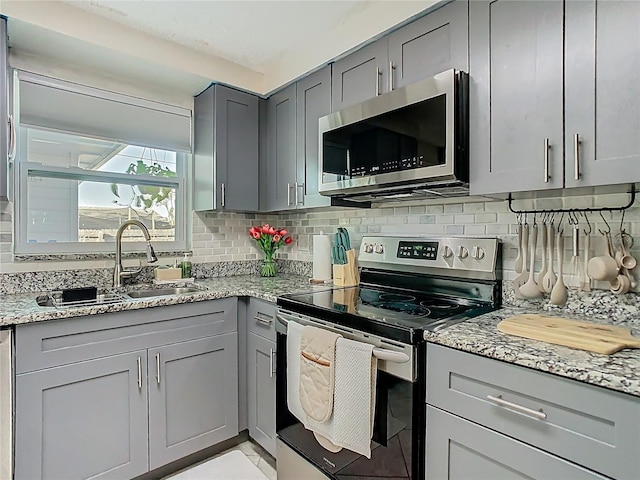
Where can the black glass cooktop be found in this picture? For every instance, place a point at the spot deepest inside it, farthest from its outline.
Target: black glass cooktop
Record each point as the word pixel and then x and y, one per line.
pixel 377 308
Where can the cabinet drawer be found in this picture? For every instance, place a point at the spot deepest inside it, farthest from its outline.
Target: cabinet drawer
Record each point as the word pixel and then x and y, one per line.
pixel 60 342
pixel 261 318
pixel 461 450
pixel 588 425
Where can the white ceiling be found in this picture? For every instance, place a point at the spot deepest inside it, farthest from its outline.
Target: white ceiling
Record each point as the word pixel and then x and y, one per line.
pixel 183 45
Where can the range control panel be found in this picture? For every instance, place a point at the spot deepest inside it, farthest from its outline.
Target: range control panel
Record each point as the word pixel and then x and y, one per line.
pixel 423 250
pixel 443 255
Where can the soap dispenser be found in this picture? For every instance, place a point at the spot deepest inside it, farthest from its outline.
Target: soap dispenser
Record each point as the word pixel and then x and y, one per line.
pixel 186 266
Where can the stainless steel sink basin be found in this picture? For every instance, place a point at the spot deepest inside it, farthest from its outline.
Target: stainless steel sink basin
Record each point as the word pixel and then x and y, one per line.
pixel 163 292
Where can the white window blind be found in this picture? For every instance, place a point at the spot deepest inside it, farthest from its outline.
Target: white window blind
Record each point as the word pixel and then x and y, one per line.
pixel 69 107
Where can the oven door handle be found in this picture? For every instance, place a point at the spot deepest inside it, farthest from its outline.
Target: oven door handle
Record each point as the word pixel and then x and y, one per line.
pixel 380 353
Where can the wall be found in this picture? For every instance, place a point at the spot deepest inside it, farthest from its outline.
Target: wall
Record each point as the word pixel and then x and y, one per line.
pixel 223 237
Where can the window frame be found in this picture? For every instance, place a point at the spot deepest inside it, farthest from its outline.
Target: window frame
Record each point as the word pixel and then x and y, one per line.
pixel 22 167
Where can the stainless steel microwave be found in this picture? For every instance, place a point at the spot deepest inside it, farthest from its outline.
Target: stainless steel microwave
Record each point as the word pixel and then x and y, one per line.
pixel 410 142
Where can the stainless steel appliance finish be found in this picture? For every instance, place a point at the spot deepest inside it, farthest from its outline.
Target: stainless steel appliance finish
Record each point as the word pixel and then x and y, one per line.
pixel 6 405
pixel 406 143
pixel 409 285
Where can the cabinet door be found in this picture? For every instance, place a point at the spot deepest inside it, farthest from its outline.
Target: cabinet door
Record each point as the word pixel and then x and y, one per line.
pixel 360 76
pixel 314 101
pixel 602 94
pixel 84 420
pixel 225 150
pixel 193 396
pixel 461 450
pixel 279 172
pixel 237 149
pixel 261 389
pixel 515 96
pixel 430 45
pixel 4 111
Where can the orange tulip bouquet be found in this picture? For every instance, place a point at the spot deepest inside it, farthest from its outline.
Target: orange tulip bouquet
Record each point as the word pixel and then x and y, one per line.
pixel 269 239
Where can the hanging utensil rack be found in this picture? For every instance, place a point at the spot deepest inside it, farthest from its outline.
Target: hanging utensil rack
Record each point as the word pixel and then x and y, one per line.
pixel 632 199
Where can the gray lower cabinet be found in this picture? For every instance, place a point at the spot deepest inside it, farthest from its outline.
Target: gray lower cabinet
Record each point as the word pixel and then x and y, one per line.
pixel 461 450
pixel 515 96
pixel 602 94
pixel 84 420
pixel 113 396
pixel 431 44
pixel 261 390
pixel 193 396
pixel 225 150
pixel 587 426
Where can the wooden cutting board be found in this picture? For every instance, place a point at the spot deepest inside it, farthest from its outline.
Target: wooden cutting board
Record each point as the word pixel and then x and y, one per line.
pixel 593 337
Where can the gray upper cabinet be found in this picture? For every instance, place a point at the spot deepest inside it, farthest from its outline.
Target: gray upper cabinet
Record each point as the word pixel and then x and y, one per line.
pixel 430 45
pixel 360 76
pixel 313 102
pixel 4 111
pixel 603 92
pixel 515 96
pixel 225 150
pixel 84 420
pixel 279 171
pixel 193 396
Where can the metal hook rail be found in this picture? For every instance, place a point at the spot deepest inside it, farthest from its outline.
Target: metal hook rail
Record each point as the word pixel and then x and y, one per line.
pixel 632 199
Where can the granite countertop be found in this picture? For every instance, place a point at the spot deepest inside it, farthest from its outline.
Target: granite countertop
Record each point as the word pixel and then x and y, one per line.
pixel 22 308
pixel 619 371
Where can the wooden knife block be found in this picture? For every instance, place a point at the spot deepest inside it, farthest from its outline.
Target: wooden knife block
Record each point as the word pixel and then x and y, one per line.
pixel 347 275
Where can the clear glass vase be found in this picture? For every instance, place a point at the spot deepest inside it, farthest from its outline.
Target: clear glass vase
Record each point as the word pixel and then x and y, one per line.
pixel 268 268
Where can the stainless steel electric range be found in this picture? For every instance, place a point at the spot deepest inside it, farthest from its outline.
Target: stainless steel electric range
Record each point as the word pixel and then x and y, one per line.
pixel 409 285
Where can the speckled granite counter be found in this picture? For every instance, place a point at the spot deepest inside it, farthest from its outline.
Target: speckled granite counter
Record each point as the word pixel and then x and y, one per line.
pixel 620 371
pixel 22 308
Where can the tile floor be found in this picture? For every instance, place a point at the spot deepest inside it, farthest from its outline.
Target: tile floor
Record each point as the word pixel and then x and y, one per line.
pixel 254 452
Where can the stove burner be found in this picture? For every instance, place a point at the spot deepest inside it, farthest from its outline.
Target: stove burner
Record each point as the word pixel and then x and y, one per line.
pixel 396 297
pixel 406 308
pixel 439 306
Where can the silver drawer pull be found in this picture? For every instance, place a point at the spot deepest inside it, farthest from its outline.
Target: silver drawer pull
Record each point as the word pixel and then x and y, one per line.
pixel 139 373
pixel 271 362
pixel 540 415
pixel 263 320
pixel 158 368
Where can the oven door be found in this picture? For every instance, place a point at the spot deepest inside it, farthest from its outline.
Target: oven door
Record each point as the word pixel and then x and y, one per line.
pixel 398 439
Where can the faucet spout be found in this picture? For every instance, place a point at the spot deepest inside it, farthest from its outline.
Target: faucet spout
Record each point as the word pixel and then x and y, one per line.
pixel 119 271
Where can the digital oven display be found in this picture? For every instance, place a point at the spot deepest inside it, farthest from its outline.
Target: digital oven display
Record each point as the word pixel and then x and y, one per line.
pixel 421 250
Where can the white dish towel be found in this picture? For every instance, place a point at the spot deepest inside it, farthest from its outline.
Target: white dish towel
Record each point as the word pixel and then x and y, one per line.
pixel 351 425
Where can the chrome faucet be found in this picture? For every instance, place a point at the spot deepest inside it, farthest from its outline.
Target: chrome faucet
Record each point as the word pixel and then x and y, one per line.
pixel 120 273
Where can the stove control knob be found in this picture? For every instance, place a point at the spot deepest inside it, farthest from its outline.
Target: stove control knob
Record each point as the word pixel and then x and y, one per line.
pixel 463 252
pixel 447 252
pixel 379 248
pixel 368 248
pixel 477 253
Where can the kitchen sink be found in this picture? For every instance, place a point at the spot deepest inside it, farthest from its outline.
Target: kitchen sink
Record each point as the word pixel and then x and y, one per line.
pixel 163 292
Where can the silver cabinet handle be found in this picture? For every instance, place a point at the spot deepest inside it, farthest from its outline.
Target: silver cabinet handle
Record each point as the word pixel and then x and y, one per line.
pixel 288 194
pixel 158 368
pixel 378 75
pixel 540 415
pixel 12 139
pixel 223 194
pixel 392 68
pixel 300 186
pixel 295 196
pixel 140 373
pixel 546 160
pixel 576 155
pixel 263 320
pixel 271 372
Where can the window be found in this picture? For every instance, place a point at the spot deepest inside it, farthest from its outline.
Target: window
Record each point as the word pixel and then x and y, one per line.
pixel 90 159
